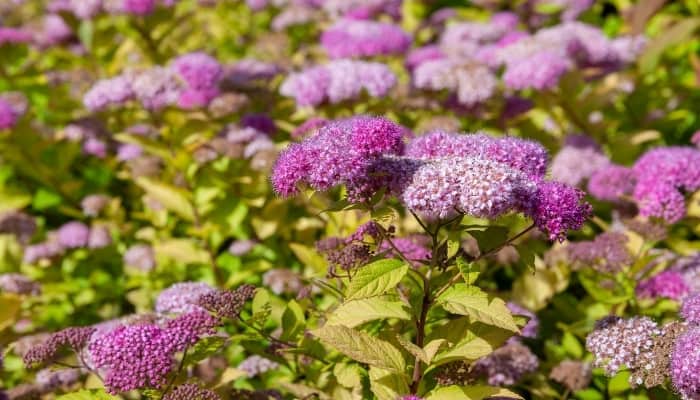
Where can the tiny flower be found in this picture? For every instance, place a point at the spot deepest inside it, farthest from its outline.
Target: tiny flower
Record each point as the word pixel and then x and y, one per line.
pixel 140 256
pixel 182 297
pixel 255 365
pixel 73 235
pixel 357 38
pixel 669 284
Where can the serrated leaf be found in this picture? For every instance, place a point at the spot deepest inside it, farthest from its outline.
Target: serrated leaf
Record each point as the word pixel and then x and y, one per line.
pixel 432 348
pixel 469 349
pixel 469 271
pixel 425 354
pixel 348 375
pixel 172 198
pixel 387 385
pixel 96 394
pixel 362 347
pixel 470 393
pixel 356 312
pixel 293 321
pixel 376 279
pixel 308 256
pixel 473 302
pixel 204 349
pixel 490 238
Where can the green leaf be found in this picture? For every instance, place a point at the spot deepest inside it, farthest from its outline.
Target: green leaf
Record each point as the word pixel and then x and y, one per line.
pixel 293 321
pixel 362 347
pixel 172 198
pixel 376 278
pixel 470 349
pixel 204 349
pixel 425 354
pixel 45 199
pixel 348 375
pixel 308 256
pixel 387 385
pixel 473 302
pixel 572 345
pixel 469 271
pixel 490 238
pixel 357 312
pixel 619 383
pixel 94 394
pixel 470 393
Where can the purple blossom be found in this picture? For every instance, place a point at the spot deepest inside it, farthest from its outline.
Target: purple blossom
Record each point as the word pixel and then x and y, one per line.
pixel 531 328
pixel 340 152
pixel 256 365
pixel 74 338
pixel 667 284
pixel 541 71
pixel 99 237
pixel 337 81
pixel 44 250
pixel 685 364
pixel 126 152
pixel 574 165
pixel 690 310
pixel 283 281
pixel 311 125
pixel 73 235
pixel 358 38
pixel 14 36
pixel 246 72
pixel 663 175
pixel 49 380
pixel 190 391
pixel 607 253
pixel 18 284
pixel 108 92
pixel 156 87
pixel 611 183
pixel 507 364
pixel 95 147
pixel 54 31
pixel 9 113
pixel 139 7
pixel 186 329
pixel 140 256
pixel 93 204
pixel 201 74
pixel 182 297
pixel 413 248
pixel 260 122
pixel 133 357
pixel 19 224
pixel 227 303
pixel 557 208
pixel 418 56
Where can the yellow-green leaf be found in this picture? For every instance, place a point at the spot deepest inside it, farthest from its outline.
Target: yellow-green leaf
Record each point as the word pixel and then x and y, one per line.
pixel 184 251
pixel 96 394
pixel 9 307
pixel 376 279
pixel 172 198
pixel 362 347
pixel 387 385
pixel 356 312
pixel 470 393
pixel 473 302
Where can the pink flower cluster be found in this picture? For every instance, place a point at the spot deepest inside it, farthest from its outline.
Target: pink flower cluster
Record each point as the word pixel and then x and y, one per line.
pixel 360 38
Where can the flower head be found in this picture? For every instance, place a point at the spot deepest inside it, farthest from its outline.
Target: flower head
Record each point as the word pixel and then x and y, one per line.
pixel 182 297
pixel 611 182
pixel 256 365
pixel 73 235
pixel 74 338
pixel 617 343
pixel 669 284
pixel 358 38
pixel 140 256
pixel 685 364
pixel 557 208
pixel 690 310
pixel 507 365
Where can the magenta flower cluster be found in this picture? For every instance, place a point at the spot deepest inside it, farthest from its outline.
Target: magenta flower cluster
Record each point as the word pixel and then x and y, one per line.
pixel 190 81
pixel 668 284
pixel 657 182
pixel 349 38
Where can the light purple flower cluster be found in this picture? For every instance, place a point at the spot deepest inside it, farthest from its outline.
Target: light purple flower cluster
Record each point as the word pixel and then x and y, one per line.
pixel 361 9
pixel 668 284
pixel 18 284
pixel 472 83
pixel 606 253
pixel 414 248
pixel 14 36
pixel 507 364
pixel 690 310
pixel 469 185
pixel 685 364
pixel 611 183
pixel 182 297
pixel 337 81
pixel 140 256
pixel 617 343
pixel 575 164
pixel 19 224
pixel 339 153
pixel 10 112
pixel 88 9
pixel 531 328
pixel 190 81
pixel 256 365
pixel 557 208
pixel 360 38
pixel 541 71
pixel 190 391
